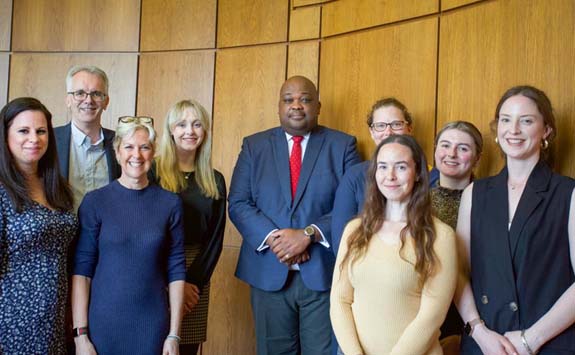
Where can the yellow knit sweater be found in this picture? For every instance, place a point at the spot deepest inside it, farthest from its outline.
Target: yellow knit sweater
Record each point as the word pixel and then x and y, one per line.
pixel 377 306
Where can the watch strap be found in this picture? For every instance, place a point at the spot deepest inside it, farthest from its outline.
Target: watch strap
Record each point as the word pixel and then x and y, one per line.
pixel 80 331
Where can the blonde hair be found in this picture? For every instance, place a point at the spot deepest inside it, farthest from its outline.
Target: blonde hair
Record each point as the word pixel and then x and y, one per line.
pixel 167 167
pixel 124 130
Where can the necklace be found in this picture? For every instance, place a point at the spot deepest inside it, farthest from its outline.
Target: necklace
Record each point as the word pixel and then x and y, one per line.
pixel 514 186
pixel 187 174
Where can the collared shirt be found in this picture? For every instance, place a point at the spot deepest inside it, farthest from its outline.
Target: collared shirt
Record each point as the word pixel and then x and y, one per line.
pixel 88 165
pixel 263 246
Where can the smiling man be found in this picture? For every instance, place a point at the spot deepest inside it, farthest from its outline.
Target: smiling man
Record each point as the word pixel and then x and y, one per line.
pixel 85 149
pixel 280 200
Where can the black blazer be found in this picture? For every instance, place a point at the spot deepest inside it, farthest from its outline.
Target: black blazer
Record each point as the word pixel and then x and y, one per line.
pixel 63 136
pixel 518 274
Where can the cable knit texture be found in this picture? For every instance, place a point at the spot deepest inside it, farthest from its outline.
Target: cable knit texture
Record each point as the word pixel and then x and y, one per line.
pixel 377 305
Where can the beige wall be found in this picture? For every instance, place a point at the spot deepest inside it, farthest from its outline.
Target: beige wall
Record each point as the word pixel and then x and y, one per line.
pixel 446 60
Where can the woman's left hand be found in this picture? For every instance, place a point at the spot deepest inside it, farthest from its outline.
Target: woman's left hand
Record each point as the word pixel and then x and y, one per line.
pixel 171 347
pixel 515 339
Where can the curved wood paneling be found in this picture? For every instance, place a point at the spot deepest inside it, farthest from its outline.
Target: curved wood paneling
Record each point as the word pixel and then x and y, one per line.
pixel 165 78
pixel 71 25
pixel 486 49
pixel 248 82
pixel 242 22
pixel 349 15
pixel 183 24
pixel 304 23
pixel 4 62
pixel 297 3
pixel 5 23
pixel 303 59
pixel 230 320
pixel 358 69
pixel 450 4
pixel 44 76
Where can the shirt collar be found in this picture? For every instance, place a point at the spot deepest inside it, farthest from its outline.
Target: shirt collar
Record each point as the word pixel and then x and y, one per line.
pixel 80 138
pixel 305 136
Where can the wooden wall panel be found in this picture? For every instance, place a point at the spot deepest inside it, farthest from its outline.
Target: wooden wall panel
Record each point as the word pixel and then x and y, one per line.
pixel 71 25
pixel 4 63
pixel 297 3
pixel 230 321
pixel 243 22
pixel 44 76
pixel 348 15
pixel 303 59
pixel 5 24
pixel 360 68
pixel 248 81
pixel 488 48
pixel 450 4
pixel 304 23
pixel 184 24
pixel 165 78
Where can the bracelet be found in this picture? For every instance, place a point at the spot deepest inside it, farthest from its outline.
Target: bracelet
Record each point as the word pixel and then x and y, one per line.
pixel 175 337
pixel 524 341
pixel 80 331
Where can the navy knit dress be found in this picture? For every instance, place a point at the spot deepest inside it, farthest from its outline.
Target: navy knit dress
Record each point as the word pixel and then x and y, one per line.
pixel 131 246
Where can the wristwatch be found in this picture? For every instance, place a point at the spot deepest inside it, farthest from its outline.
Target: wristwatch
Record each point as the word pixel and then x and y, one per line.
pixel 309 231
pixel 469 326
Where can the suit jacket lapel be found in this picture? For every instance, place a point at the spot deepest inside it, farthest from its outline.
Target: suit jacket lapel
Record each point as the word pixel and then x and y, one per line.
pixel 280 152
pixel 530 199
pixel 312 150
pixel 499 218
pixel 63 149
pixel 113 168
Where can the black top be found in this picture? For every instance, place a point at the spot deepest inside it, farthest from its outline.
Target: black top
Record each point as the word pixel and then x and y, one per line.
pixel 204 224
pixel 518 273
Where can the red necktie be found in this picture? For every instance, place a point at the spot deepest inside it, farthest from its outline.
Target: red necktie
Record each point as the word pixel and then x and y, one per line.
pixel 295 163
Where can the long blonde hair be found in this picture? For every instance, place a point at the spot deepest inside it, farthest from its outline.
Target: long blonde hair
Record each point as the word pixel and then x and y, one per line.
pixel 167 166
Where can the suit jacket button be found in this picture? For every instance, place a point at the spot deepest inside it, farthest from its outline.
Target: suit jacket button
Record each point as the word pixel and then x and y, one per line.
pixel 513 307
pixel 484 299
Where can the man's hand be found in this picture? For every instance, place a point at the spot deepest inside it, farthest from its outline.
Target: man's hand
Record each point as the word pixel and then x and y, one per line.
pixel 288 244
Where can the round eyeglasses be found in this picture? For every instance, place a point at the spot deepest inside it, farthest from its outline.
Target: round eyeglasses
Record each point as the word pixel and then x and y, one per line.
pixel 81 95
pixel 381 126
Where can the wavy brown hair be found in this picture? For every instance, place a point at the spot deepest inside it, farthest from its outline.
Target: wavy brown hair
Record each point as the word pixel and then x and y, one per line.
pixel 419 218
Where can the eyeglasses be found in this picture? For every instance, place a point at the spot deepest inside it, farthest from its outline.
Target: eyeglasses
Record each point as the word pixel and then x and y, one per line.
pixel 381 126
pixel 81 95
pixel 136 119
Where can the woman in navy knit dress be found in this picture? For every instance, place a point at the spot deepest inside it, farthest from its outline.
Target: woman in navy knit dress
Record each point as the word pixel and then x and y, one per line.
pixel 129 252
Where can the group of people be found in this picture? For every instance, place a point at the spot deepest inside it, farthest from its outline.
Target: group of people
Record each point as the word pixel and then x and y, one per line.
pixel 389 256
pixel 399 256
pixel 139 233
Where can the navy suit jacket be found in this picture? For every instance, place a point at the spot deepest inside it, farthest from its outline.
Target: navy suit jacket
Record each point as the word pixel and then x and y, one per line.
pixel 64 135
pixel 260 201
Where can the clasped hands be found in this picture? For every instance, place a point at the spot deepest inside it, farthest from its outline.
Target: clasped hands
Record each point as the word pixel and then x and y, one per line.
pixel 509 343
pixel 289 245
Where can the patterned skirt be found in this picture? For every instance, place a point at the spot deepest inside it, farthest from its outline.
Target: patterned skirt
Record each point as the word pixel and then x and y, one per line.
pixel 195 323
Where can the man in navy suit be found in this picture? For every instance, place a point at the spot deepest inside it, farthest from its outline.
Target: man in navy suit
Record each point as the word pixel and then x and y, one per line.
pixel 280 200
pixel 85 150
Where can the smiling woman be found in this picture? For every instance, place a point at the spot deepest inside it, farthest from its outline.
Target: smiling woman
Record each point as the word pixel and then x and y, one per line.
pixel 128 253
pixel 36 229
pixel 184 166
pixel 517 232
pixel 396 267
pixel 458 147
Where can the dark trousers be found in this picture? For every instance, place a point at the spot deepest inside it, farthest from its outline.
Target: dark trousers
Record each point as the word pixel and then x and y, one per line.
pixel 294 320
